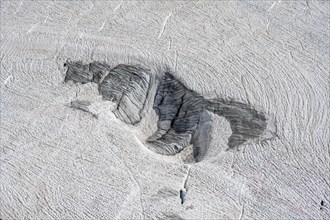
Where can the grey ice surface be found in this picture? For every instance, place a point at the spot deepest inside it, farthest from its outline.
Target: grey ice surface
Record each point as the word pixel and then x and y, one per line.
pixel 58 162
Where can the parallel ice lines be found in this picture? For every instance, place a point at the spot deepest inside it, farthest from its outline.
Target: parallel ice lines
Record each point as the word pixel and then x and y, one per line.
pixel 245 123
pixel 78 72
pixel 168 99
pixel 84 73
pixel 180 112
pixel 99 70
pixel 125 85
pixel 128 87
pixel 189 115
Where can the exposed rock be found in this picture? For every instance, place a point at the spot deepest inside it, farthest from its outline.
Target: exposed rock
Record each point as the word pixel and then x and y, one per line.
pixel 84 73
pixel 80 104
pixel 182 113
pixel 78 72
pixel 179 111
pixel 182 119
pixel 99 71
pixel 125 85
pixel 245 123
pixel 128 87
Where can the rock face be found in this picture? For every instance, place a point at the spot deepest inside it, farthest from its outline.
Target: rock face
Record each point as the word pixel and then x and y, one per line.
pixel 128 87
pixel 58 161
pixel 125 85
pixel 84 73
pixel 245 123
pixel 181 111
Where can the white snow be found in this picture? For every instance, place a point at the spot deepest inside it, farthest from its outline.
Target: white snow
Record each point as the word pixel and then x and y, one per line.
pixel 60 162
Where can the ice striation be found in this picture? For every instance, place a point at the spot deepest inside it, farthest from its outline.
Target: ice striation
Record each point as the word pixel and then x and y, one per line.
pixel 128 87
pixel 182 113
pixel 85 73
pixel 125 85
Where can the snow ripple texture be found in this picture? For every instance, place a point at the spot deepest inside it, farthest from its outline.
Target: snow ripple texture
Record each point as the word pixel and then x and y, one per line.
pixel 58 162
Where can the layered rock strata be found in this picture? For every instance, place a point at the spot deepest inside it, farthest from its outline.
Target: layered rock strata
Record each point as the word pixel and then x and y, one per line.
pixel 181 112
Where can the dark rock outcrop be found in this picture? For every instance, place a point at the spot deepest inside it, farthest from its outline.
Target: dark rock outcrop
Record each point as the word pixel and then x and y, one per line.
pixel 182 113
pixel 125 85
pixel 128 87
pixel 179 113
pixel 85 73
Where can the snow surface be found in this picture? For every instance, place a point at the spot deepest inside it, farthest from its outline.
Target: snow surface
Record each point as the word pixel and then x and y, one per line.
pixel 61 162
